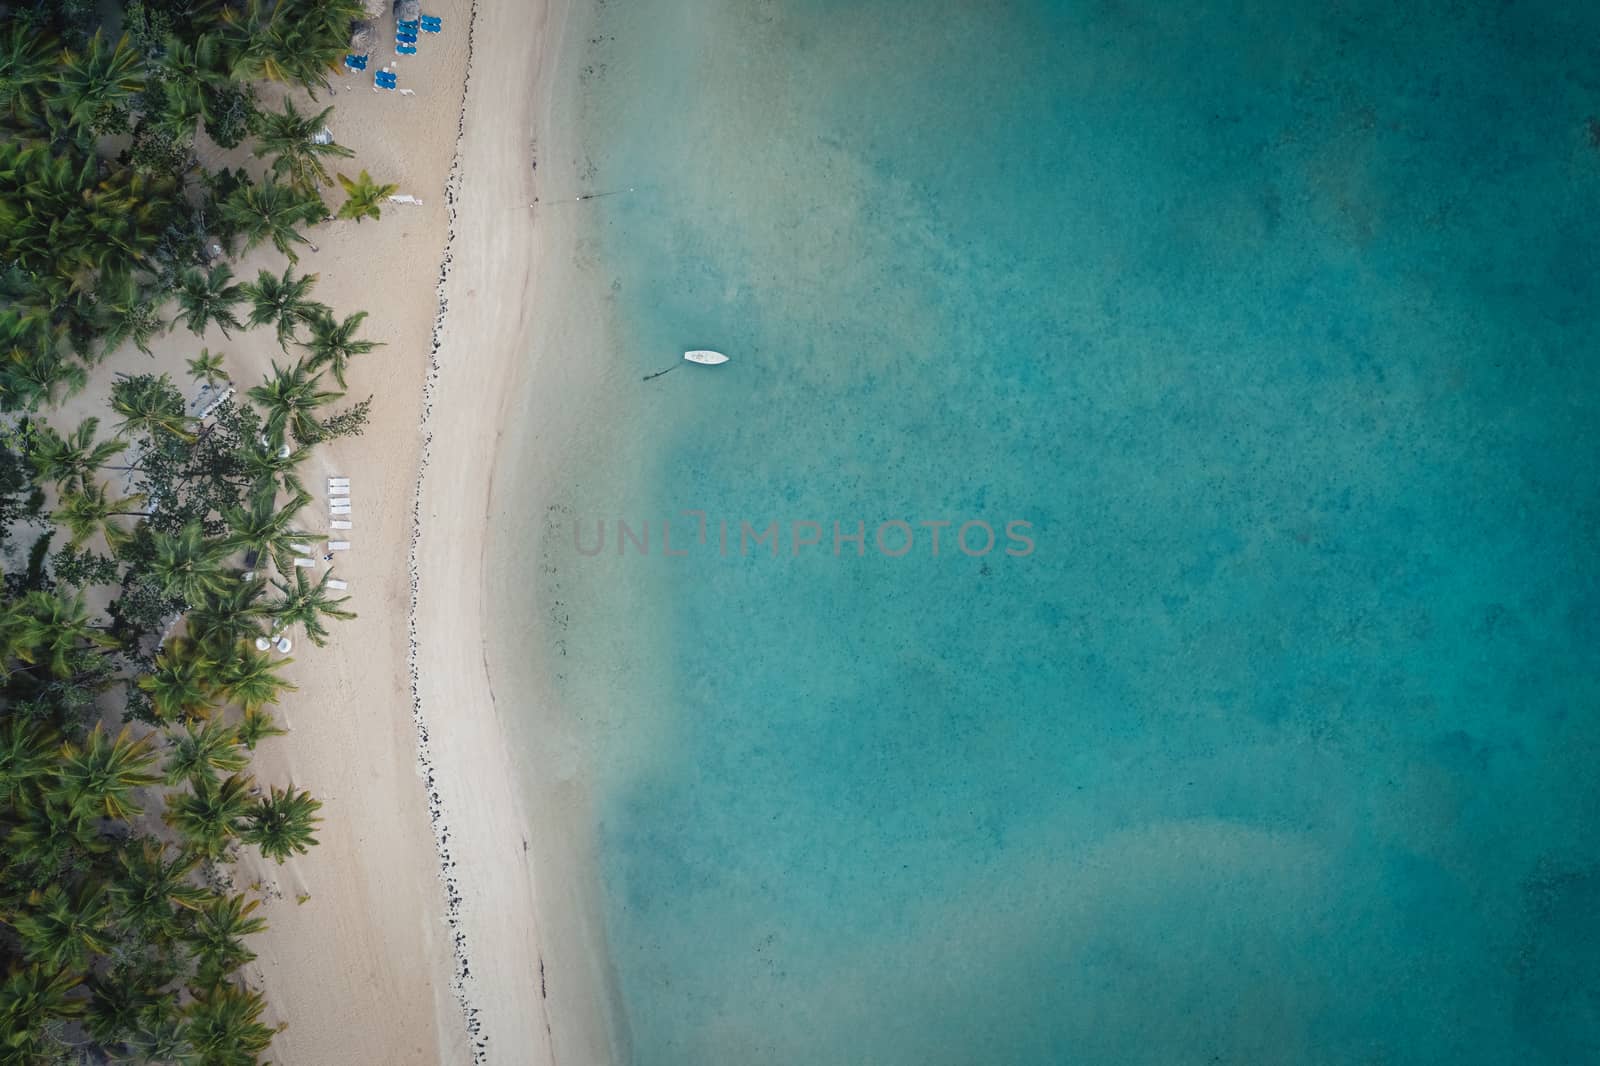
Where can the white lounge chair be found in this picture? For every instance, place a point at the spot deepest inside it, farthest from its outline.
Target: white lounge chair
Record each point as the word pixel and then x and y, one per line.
pixel 339 524
pixel 339 508
pixel 338 545
pixel 305 562
pixel 335 583
pixel 300 547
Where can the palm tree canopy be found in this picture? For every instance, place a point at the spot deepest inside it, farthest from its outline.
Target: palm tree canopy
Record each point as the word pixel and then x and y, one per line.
pixel 206 296
pixel 292 139
pixel 75 458
pixel 282 823
pixel 306 604
pixel 332 343
pixel 149 404
pixel 363 197
pixel 98 774
pixel 272 211
pixel 283 301
pixel 290 396
pixel 188 564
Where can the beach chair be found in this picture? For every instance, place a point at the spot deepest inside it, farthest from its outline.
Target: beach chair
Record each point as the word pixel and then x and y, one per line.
pixel 339 509
pixel 338 545
pixel 406 37
pixel 303 549
pixel 335 481
pixel 337 585
pixel 432 23
pixel 408 25
pixel 306 563
pixel 339 524
pixel 384 80
pixel 355 62
pixel 405 49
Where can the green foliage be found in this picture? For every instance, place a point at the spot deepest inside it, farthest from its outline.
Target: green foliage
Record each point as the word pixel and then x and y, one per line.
pixel 272 212
pixel 206 297
pixel 115 943
pixel 282 823
pixel 291 139
pixel 283 301
pixel 351 422
pixel 332 343
pixel 363 197
pixel 291 397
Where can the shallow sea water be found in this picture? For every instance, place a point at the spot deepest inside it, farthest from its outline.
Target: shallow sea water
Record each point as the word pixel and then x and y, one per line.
pixel 1280 328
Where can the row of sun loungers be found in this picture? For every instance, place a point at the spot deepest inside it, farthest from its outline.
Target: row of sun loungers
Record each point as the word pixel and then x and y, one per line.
pixel 338 504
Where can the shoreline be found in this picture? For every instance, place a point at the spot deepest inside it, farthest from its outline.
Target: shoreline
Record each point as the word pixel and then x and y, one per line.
pixel 437 824
pixel 530 975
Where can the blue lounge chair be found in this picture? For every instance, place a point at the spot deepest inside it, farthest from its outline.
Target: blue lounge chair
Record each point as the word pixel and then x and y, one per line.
pixel 409 27
pixel 356 62
pixel 405 38
pixel 405 49
pixel 432 23
pixel 385 79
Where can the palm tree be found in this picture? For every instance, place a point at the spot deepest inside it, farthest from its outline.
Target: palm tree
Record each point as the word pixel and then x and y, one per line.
pixel 226 618
pixel 27 60
pixel 264 529
pixel 251 679
pixel 88 510
pixel 290 396
pixel 208 752
pixel 333 343
pixel 257 725
pixel 53 628
pixel 224 1024
pixel 306 604
pixel 266 467
pixel 98 79
pixel 64 929
pixel 283 301
pixel 49 838
pixel 270 211
pixel 27 752
pixel 149 404
pixel 207 367
pixel 282 823
pixel 30 999
pixel 128 311
pixel 210 816
pixel 205 296
pixel 97 776
pixel 217 938
pixel 188 565
pixel 120 999
pixel 150 884
pixel 363 197
pixel 292 138
pixel 182 684
pixel 75 458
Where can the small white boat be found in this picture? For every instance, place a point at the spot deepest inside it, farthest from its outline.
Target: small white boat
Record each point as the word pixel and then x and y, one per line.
pixel 705 358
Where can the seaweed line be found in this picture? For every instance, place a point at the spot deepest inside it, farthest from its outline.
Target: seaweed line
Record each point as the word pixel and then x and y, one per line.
pixel 461 976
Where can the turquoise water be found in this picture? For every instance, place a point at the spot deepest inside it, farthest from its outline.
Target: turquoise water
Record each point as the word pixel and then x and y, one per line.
pixel 1280 329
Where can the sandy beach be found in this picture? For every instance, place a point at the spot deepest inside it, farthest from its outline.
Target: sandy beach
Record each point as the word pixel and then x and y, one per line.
pixel 417 932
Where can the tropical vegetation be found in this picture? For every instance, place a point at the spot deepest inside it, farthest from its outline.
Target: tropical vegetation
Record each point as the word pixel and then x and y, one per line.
pixel 145 554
